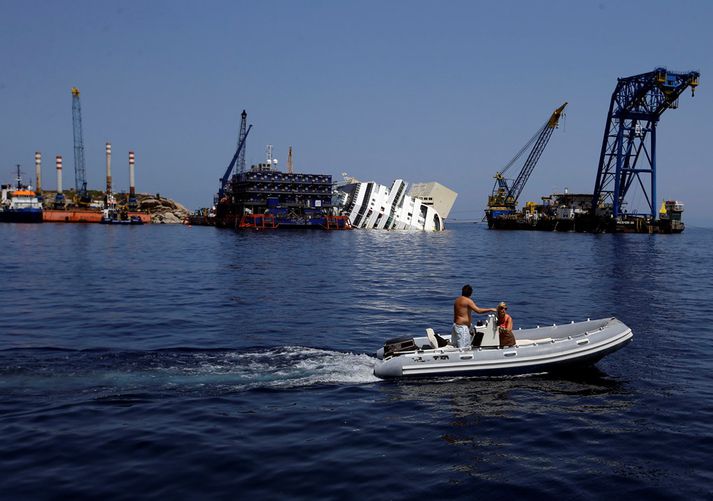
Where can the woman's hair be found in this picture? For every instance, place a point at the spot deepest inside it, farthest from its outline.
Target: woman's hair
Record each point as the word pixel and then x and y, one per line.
pixel 502 306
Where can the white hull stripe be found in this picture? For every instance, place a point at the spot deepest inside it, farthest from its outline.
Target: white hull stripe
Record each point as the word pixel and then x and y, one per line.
pixel 515 361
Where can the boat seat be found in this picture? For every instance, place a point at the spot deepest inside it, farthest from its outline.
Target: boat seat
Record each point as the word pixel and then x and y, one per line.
pixel 527 342
pixel 432 337
pixel 435 340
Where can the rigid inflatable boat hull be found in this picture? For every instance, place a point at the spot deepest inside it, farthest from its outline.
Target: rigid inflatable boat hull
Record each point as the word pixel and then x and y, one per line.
pixel 553 349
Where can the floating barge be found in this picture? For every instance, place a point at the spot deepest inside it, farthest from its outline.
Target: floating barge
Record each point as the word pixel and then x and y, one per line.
pixel 627 164
pixel 571 213
pixel 266 198
pixel 85 216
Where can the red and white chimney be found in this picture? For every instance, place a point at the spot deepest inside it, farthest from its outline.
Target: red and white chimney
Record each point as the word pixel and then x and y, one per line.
pixel 108 169
pixel 58 161
pixel 38 171
pixel 132 185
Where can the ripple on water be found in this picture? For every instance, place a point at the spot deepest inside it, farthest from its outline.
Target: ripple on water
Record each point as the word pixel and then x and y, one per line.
pixel 181 362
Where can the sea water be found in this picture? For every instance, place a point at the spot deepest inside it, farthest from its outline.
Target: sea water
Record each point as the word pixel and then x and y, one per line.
pixel 176 362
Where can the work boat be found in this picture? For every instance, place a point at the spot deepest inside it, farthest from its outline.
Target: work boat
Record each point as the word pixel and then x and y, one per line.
pixel 538 350
pixel 19 204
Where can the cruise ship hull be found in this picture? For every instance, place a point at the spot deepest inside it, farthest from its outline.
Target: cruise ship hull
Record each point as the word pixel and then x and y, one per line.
pixel 370 205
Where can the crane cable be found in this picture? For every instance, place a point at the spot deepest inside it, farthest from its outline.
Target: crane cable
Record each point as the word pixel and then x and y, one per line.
pixel 525 148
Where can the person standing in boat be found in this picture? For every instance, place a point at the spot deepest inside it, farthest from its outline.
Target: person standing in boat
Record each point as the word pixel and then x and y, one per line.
pixel 462 320
pixel 507 338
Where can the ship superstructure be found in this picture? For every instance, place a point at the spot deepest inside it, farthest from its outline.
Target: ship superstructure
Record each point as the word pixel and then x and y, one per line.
pixel 264 197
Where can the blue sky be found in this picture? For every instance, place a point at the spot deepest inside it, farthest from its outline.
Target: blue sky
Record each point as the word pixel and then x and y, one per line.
pixel 424 91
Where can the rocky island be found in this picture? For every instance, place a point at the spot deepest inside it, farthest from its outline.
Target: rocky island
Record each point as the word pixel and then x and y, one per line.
pixel 162 210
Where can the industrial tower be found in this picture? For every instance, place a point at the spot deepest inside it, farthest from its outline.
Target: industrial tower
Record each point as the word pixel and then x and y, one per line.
pixel 629 146
pixel 241 139
pixel 80 179
pixel 59 200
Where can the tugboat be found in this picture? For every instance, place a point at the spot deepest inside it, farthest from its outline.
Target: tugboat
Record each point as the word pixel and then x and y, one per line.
pixel 19 204
pixel 113 215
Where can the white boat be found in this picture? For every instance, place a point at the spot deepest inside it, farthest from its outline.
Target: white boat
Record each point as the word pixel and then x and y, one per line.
pixel 538 350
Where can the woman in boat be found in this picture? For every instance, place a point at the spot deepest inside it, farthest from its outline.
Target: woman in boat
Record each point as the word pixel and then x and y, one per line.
pixel 507 338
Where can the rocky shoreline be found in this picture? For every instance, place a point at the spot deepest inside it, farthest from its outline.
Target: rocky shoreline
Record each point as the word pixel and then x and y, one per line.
pixel 162 210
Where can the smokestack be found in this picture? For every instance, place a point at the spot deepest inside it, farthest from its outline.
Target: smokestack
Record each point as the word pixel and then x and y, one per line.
pixel 108 169
pixel 59 197
pixel 132 186
pixel 59 174
pixel 38 172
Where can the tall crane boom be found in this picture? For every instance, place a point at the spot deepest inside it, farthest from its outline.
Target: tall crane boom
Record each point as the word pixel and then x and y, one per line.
pixel 504 197
pixel 80 179
pixel 290 165
pixel 226 177
pixel 629 144
pixel 543 137
pixel 241 139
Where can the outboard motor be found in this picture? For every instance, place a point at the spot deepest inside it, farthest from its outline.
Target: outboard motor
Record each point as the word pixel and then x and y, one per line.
pixel 391 346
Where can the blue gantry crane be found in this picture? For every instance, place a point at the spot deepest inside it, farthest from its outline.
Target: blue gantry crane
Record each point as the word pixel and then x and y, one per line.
pixel 503 199
pixel 628 152
pixel 80 179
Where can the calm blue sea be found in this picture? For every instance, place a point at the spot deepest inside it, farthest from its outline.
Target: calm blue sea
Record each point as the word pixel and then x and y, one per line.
pixel 175 362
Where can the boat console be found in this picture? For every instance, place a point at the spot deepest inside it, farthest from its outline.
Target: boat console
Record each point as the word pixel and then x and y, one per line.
pixel 486 333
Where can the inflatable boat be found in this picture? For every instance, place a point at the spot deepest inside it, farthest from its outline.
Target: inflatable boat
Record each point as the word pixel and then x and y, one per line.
pixel 538 350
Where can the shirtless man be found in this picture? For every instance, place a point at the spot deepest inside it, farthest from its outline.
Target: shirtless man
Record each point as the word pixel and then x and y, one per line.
pixel 460 333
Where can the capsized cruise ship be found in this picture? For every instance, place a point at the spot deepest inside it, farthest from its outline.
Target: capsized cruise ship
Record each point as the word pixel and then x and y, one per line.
pixel 372 205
